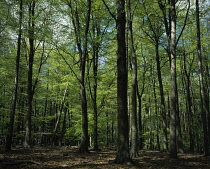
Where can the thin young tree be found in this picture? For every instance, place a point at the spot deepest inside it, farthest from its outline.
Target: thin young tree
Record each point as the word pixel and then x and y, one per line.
pixel 204 109
pixel 155 28
pixel 82 47
pixel 189 100
pixel 93 92
pixel 174 99
pixel 31 27
pixel 133 114
pixel 15 92
pixel 59 116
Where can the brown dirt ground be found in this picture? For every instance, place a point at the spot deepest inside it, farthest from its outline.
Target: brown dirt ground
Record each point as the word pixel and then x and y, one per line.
pixel 69 157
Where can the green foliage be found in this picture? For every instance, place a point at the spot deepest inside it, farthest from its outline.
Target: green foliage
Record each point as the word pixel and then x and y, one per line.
pixel 56 65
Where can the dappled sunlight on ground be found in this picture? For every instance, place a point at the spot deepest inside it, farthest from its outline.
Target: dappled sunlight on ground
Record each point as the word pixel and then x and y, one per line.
pixel 69 157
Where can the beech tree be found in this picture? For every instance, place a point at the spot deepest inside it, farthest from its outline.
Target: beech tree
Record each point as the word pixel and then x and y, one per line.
pixel 82 42
pixel 133 122
pixel 123 155
pixel 174 97
pixel 30 92
pixel 74 43
pixel 15 92
pixel 204 109
pixel 154 33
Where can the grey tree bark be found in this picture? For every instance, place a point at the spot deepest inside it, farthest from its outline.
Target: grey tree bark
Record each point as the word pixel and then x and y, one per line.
pixel 174 99
pixel 133 114
pixel 31 25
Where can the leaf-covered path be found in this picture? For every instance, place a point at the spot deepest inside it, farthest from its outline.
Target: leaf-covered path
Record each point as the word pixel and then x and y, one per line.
pixel 68 157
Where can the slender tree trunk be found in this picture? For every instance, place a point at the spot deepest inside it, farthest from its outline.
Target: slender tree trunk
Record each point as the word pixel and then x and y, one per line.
pixel 20 117
pixel 140 125
pixel 85 137
pixel 163 107
pixel 59 117
pixel 123 155
pixel 95 107
pixel 95 143
pixel 95 46
pixel 170 28
pixel 93 94
pixel 14 99
pixel 63 129
pixel 173 145
pixel 204 109
pixel 156 113
pixel 31 24
pixel 189 105
pixel 133 123
pixel 82 44
pixel 140 121
pixel 107 129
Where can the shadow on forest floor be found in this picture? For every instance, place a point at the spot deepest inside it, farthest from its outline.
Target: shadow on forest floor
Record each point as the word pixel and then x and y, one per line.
pixel 68 157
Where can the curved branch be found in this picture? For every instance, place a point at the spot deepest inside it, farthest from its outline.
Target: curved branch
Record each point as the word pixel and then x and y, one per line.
pixel 69 66
pixel 185 21
pixel 109 11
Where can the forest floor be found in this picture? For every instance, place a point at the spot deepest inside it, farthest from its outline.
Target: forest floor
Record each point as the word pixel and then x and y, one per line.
pixel 69 157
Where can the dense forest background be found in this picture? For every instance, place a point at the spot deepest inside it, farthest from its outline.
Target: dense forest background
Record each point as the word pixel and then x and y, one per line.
pixel 59 74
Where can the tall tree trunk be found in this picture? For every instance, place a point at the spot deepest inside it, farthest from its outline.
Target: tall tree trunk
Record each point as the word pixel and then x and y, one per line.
pixel 163 106
pixel 95 142
pixel 156 113
pixel 123 155
pixel 95 107
pixel 14 99
pixel 207 79
pixel 31 25
pixel 93 92
pixel 85 138
pixel 173 145
pixel 207 93
pixel 169 28
pixel 82 43
pixel 133 123
pixel 204 109
pixel 140 125
pixel 189 105
pixel 140 120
